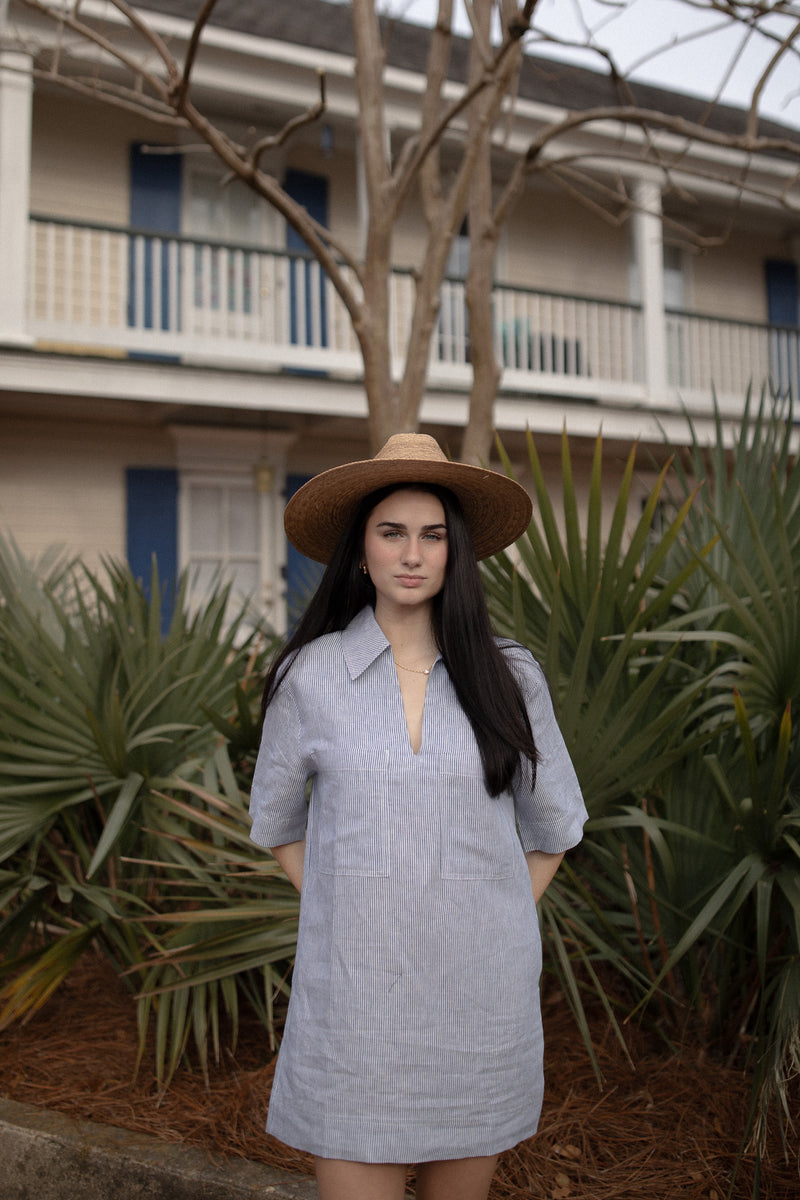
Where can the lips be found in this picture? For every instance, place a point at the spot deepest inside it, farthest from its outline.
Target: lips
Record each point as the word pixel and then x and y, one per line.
pixel 410 580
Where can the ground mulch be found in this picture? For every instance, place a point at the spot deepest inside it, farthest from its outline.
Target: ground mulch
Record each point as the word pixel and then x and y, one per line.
pixel 670 1126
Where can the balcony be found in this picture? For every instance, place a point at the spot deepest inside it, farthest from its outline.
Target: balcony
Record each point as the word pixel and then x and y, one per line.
pixel 122 293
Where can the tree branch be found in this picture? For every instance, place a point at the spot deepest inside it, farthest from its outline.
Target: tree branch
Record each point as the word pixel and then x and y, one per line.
pixel 633 115
pixel 311 115
pixel 119 97
pixel 421 146
pixel 202 19
pixel 429 168
pixel 95 38
pixel 752 116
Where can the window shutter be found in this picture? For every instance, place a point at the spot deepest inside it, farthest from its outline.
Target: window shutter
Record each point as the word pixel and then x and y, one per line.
pixel 302 574
pixel 152 529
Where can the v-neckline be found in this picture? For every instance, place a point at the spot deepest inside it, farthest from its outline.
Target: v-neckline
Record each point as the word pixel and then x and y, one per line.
pixel 415 752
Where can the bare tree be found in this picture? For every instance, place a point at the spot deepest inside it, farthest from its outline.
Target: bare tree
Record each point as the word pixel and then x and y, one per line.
pixel 468 123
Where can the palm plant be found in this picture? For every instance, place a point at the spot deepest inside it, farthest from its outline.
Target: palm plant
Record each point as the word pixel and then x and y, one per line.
pixel 101 716
pixel 227 928
pixel 578 599
pixel 741 917
pixel 739 465
pixel 675 665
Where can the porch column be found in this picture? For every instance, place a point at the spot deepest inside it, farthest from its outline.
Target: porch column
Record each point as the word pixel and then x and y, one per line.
pixel 649 251
pixel 16 96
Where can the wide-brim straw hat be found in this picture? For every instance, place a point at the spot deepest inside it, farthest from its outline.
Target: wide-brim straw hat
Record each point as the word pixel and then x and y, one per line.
pixel 497 509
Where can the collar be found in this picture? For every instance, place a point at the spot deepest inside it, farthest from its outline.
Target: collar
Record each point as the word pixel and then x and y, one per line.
pixel 362 641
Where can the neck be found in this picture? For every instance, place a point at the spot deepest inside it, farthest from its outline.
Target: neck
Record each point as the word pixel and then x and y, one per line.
pixel 410 630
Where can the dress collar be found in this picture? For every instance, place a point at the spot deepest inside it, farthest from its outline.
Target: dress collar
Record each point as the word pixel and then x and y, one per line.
pixel 362 641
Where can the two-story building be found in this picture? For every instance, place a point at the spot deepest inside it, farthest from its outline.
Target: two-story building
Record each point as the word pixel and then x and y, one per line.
pixel 172 364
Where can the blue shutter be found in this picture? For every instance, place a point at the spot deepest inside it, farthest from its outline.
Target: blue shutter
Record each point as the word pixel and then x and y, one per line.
pixel 152 530
pixel 782 292
pixel 155 207
pixel 302 574
pixel 783 314
pixel 311 191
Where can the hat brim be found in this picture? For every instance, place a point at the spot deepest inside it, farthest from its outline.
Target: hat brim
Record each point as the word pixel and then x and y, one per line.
pixel 497 509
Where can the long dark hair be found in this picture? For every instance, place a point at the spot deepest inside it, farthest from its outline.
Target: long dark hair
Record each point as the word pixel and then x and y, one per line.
pixel 484 683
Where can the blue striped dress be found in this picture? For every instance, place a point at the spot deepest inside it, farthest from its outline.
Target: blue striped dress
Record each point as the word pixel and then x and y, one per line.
pixel 414 1031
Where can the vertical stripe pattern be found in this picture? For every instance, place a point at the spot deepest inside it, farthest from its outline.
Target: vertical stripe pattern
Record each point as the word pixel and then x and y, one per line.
pixel 414 1030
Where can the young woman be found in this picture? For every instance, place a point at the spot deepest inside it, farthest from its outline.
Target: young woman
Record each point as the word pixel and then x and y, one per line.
pixel 442 802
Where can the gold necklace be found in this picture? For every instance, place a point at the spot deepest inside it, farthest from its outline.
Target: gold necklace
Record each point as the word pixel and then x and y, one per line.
pixel 413 670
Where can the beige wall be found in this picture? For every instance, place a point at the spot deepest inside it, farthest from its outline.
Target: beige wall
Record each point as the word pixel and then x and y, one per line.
pixel 80 159
pixel 63 482
pixel 729 280
pixel 554 243
pixel 80 164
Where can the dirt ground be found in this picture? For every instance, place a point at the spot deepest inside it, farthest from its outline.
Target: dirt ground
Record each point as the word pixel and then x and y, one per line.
pixel 669 1126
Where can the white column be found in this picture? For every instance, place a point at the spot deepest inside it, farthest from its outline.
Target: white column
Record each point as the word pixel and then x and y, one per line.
pixel 16 96
pixel 649 251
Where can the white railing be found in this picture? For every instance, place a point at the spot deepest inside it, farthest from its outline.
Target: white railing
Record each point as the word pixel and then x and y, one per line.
pixel 141 293
pixel 550 334
pixel 127 292
pixel 729 356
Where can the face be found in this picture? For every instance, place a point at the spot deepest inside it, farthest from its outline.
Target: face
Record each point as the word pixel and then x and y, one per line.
pixel 405 548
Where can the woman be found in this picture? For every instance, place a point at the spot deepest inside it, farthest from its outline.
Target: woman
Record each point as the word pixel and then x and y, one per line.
pixel 443 800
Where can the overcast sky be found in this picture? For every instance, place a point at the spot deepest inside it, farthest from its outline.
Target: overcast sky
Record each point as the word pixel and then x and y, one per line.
pixel 632 28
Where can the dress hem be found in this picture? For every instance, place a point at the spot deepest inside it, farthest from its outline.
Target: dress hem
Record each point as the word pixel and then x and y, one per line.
pixel 445 1153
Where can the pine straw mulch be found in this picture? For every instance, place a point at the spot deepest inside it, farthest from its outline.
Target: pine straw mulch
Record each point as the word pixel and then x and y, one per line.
pixel 669 1128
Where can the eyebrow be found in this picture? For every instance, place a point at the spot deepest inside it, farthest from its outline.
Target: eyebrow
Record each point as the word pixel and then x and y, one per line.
pixel 400 525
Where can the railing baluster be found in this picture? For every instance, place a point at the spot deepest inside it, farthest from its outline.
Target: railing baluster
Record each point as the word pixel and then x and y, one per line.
pixel 69 274
pixel 50 273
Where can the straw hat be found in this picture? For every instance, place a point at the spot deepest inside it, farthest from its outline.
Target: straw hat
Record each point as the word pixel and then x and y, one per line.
pixel 496 508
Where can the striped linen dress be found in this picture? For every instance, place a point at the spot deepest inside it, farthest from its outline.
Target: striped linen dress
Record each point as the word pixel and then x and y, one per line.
pixel 414 1031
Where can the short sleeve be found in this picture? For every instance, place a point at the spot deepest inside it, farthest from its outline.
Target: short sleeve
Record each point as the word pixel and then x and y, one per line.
pixel 551 817
pixel 278 796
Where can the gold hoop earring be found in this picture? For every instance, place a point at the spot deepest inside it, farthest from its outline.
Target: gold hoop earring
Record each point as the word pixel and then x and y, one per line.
pixel 363 568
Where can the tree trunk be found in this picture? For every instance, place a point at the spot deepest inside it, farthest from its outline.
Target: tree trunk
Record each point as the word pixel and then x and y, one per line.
pixel 484 232
pixel 373 329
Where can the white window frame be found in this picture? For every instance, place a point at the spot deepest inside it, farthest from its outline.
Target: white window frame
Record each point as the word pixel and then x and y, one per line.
pixel 246 459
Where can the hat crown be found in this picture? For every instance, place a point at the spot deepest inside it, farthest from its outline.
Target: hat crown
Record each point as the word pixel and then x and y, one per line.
pixel 415 447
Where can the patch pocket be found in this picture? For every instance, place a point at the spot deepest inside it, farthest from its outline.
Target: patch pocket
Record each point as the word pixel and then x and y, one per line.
pixel 478 834
pixel 351 815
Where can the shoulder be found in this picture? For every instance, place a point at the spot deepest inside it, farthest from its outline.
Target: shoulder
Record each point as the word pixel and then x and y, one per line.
pixel 305 667
pixel 321 654
pixel 525 667
pixel 516 655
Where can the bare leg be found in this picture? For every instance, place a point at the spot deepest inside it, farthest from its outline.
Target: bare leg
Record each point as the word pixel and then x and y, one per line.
pixel 341 1180
pixel 456 1179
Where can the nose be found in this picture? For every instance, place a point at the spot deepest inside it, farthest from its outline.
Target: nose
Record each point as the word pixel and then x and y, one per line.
pixel 413 551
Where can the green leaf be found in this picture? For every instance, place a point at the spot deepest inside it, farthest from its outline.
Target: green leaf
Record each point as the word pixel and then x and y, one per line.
pixel 117 820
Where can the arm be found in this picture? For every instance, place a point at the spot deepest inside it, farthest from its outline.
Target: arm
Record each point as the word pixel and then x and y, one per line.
pixel 289 858
pixel 542 868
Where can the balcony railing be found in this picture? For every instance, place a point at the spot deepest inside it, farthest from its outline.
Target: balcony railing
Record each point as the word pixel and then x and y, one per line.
pixel 706 352
pixel 119 291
